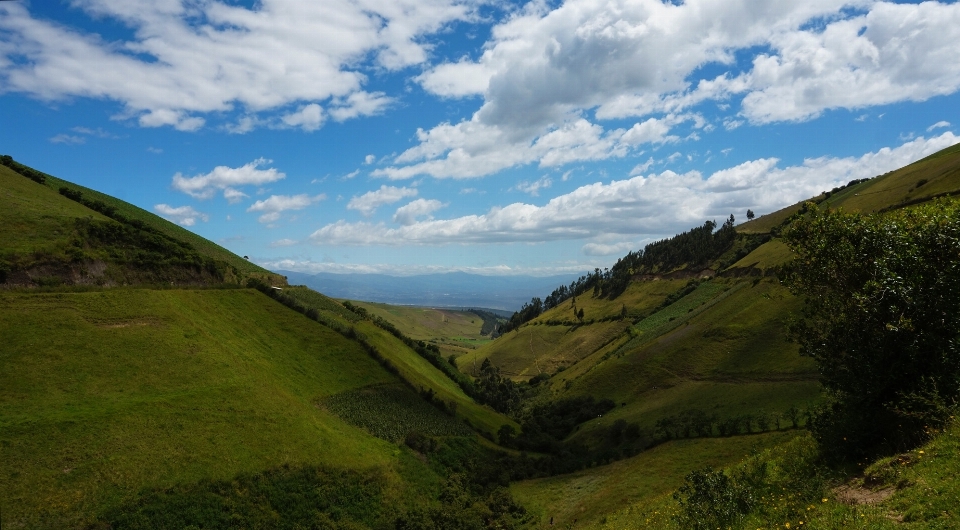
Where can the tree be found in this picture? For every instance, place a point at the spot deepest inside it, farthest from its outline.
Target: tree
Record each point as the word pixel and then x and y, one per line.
pixel 495 390
pixel 580 315
pixel 882 321
pixel 750 214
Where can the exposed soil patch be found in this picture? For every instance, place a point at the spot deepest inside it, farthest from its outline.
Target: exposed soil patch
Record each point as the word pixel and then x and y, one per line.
pixel 854 495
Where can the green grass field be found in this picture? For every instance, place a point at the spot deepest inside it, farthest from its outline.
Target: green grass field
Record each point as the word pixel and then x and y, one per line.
pixel 105 393
pixel 454 332
pixel 412 367
pixel 556 340
pixel 585 498
pixel 35 217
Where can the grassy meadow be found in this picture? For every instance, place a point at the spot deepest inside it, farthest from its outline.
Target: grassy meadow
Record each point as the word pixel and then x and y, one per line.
pixel 105 393
pixel 454 332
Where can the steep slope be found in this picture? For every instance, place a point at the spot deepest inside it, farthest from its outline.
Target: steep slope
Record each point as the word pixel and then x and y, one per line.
pixel 60 232
pixel 709 360
pixel 124 406
pixel 105 393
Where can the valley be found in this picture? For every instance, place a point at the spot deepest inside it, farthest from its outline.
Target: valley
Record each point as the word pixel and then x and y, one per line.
pixel 150 375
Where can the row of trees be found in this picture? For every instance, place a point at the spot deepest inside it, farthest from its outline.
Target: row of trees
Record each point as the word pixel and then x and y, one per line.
pixel 694 248
pixel 28 172
pixel 697 423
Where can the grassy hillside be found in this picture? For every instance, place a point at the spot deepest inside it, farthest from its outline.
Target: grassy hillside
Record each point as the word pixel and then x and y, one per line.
pixel 454 332
pixel 714 349
pixel 934 176
pixel 58 239
pixel 411 366
pixel 105 393
pixel 558 340
pixel 157 406
pixel 588 498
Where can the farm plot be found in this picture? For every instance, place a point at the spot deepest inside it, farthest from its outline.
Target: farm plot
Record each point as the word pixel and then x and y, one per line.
pixel 390 412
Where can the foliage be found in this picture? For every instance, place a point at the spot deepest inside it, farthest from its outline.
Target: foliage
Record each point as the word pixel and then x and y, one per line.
pixel 28 172
pixel 491 322
pixel 694 248
pixel 882 321
pixel 462 507
pixel 430 352
pixel 392 413
pixel 493 389
pixel 282 498
pixel 544 426
pixel 710 499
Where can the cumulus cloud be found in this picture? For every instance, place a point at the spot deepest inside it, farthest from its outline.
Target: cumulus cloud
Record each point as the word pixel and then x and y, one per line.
pixel 273 205
pixel 225 178
pixel 70 139
pixel 187 60
pixel 546 68
pixel 396 269
pixel 308 118
pixel 408 214
pixel 368 203
pixel 895 52
pixel 659 204
pixel 533 188
pixel 471 149
pixel 608 249
pixel 184 215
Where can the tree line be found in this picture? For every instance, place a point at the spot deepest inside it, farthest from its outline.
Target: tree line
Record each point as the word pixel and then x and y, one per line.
pixel 696 247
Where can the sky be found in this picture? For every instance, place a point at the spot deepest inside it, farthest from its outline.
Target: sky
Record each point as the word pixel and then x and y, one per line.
pixel 491 137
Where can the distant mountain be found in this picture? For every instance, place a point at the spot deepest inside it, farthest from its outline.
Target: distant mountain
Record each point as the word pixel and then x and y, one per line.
pixel 454 289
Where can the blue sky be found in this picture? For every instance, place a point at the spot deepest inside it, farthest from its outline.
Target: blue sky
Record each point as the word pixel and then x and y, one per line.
pixel 485 136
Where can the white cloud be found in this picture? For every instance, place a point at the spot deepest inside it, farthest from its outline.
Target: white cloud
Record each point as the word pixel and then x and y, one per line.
pixel 189 59
pixel 268 218
pixel 545 69
pixel 308 117
pixel 471 149
pixel 368 203
pixel 284 243
pixel 640 168
pixel 533 188
pixel 68 139
pixel 895 52
pixel 395 269
pixel 222 177
pixel 938 125
pixel 608 249
pixel 660 204
pixel 360 104
pixel 369 159
pixel 184 215
pixel 408 214
pixel 233 196
pixel 273 205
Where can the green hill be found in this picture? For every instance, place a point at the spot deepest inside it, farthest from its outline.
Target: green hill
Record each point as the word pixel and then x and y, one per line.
pixel 159 404
pixel 151 379
pixel 57 232
pixel 697 350
pixel 105 393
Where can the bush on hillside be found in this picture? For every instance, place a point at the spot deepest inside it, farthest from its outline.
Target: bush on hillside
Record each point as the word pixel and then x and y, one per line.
pixel 882 321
